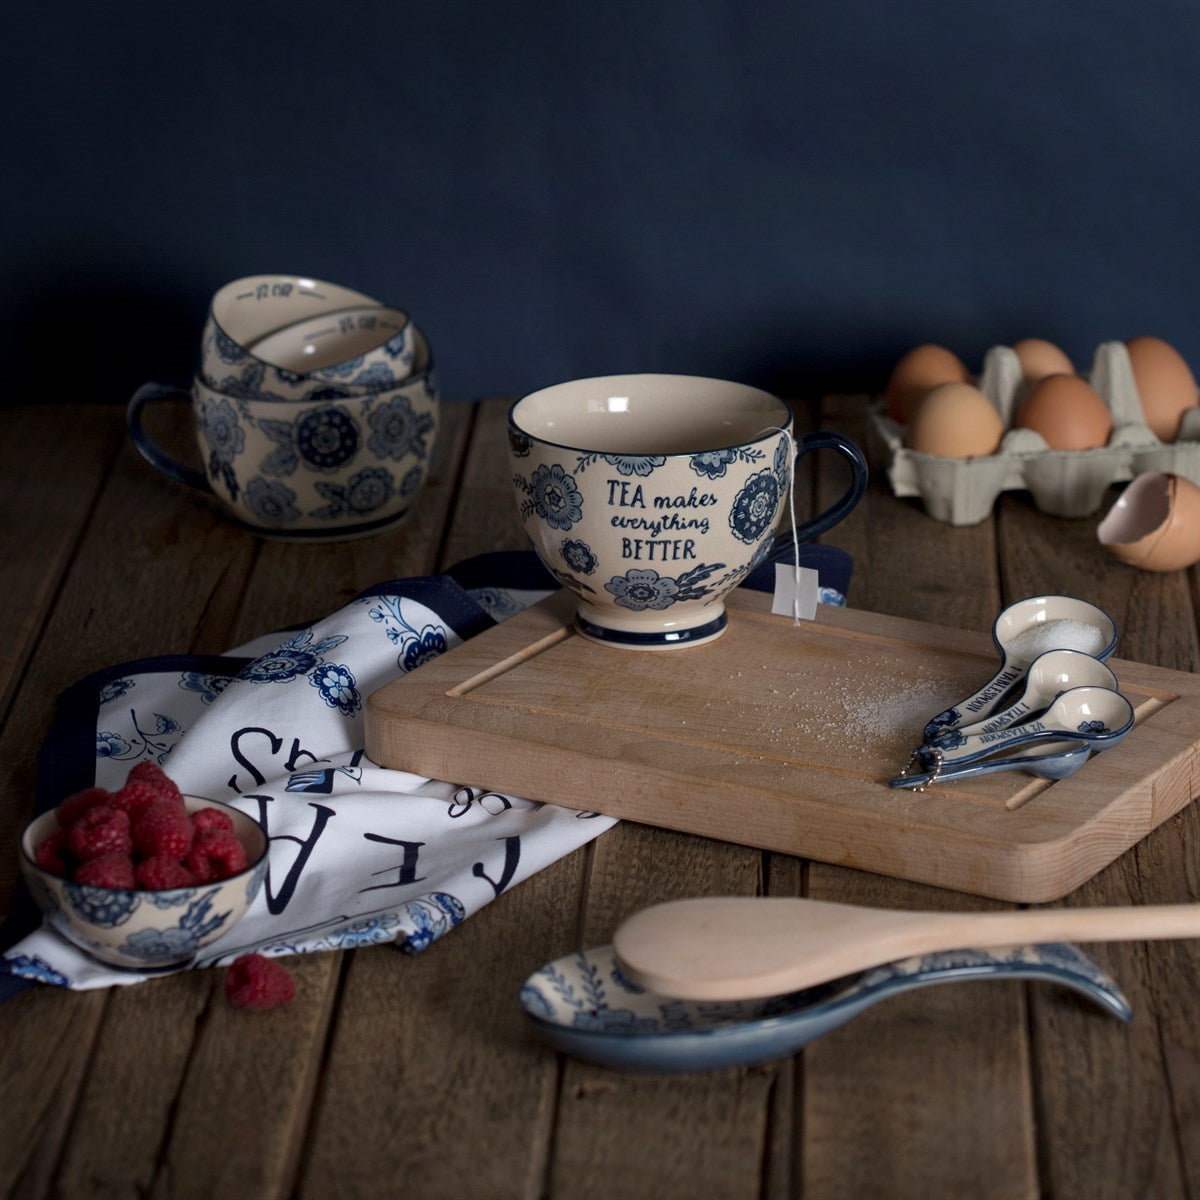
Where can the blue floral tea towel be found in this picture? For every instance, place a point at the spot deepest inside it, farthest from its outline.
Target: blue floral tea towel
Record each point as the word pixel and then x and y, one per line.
pixel 359 854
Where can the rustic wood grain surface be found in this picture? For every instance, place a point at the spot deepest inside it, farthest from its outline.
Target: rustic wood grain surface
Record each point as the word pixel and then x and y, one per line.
pixel 416 1077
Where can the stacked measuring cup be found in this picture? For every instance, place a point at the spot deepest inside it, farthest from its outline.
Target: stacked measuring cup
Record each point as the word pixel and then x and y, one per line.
pixel 1050 705
pixel 315 407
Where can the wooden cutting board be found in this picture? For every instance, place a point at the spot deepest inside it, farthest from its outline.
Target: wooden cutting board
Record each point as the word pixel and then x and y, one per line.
pixel 784 736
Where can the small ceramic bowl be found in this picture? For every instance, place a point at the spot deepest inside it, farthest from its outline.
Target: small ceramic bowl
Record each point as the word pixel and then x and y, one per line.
pixel 246 312
pixel 146 930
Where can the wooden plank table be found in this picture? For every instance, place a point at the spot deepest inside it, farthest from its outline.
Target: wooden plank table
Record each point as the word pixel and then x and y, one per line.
pixel 416 1077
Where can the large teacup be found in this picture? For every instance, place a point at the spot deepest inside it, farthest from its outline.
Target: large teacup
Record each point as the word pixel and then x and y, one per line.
pixel 329 466
pixel 651 496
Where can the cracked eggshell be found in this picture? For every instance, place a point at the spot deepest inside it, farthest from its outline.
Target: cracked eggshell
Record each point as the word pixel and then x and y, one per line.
pixel 1155 523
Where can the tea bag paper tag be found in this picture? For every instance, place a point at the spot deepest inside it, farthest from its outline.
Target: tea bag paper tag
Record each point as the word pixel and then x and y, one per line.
pixel 797 592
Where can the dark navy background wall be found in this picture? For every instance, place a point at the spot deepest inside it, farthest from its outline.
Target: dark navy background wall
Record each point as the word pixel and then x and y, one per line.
pixel 789 194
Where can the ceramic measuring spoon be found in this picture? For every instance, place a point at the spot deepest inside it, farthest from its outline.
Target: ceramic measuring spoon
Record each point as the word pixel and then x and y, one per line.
pixel 1055 760
pixel 743 947
pixel 1050 675
pixel 1094 718
pixel 1023 632
pixel 582 1005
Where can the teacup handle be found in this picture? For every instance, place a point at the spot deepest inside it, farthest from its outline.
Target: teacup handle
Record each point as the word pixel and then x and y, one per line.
pixel 152 393
pixel 822 439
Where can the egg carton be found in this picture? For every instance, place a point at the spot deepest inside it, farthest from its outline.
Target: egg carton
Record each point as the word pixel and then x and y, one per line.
pixel 1064 483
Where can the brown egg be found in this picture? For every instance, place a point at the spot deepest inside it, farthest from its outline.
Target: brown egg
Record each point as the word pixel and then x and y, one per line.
pixel 1067 412
pixel 921 370
pixel 955 420
pixel 1165 384
pixel 1155 523
pixel 1039 358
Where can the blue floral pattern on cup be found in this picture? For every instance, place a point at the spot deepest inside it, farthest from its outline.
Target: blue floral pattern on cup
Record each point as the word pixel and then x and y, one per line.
pixel 364 493
pixel 644 588
pixel 755 506
pixel 398 431
pixel 326 438
pixel 579 557
pixel 712 464
pixel 627 464
pixel 553 495
pixel 272 503
pixel 225 438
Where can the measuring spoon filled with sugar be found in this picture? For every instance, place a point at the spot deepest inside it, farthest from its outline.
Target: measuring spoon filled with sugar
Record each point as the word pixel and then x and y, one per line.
pixel 1023 632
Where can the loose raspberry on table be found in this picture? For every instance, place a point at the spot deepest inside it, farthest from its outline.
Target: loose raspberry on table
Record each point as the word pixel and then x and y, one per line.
pixel 106 870
pixel 52 854
pixel 157 873
pixel 163 829
pixel 151 773
pixel 215 854
pixel 211 818
pixel 100 830
pixel 73 807
pixel 255 983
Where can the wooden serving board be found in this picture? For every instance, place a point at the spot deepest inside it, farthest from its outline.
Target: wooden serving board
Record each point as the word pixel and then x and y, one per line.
pixel 784 736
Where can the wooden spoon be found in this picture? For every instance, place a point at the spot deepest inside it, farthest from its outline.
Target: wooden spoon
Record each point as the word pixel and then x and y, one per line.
pixel 744 947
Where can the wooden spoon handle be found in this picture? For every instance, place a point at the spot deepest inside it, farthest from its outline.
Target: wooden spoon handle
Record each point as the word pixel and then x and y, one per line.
pixel 1135 923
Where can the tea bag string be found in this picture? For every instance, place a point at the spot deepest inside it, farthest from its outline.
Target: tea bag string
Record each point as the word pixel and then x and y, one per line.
pixel 790 442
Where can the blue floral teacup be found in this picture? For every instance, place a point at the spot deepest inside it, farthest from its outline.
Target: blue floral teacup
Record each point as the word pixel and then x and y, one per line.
pixel 651 496
pixel 332 465
pixel 288 337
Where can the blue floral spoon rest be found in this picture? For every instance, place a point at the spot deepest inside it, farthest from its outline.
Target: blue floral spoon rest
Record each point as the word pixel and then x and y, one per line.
pixel 583 1005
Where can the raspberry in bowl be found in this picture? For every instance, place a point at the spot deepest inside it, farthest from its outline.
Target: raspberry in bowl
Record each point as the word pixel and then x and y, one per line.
pixel 144 877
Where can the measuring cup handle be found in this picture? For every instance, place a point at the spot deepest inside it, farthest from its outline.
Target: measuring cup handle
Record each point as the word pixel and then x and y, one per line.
pixel 153 393
pixel 822 439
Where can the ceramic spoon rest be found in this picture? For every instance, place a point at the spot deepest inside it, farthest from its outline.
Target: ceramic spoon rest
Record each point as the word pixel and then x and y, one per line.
pixel 582 1005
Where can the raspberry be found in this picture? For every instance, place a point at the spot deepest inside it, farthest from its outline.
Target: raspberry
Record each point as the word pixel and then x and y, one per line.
pixel 51 854
pixel 256 983
pixel 73 807
pixel 163 829
pixel 100 830
pixel 136 796
pixel 106 870
pixel 211 818
pixel 158 873
pixel 151 773
pixel 215 854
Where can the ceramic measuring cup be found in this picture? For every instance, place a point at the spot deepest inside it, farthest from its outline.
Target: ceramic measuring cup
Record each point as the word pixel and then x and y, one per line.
pixel 650 497
pixel 369 347
pixel 245 312
pixel 330 466
pixel 1021 633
